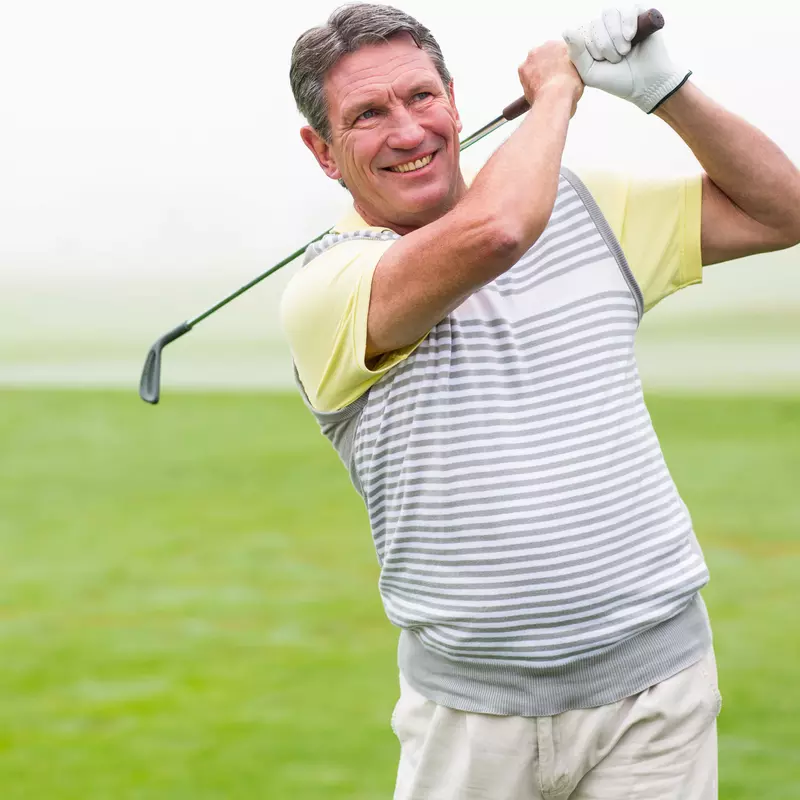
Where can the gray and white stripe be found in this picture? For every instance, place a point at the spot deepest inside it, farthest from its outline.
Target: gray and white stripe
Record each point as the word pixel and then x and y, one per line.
pixel 522 512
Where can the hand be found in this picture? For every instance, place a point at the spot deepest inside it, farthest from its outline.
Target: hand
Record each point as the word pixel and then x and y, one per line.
pixel 548 68
pixel 601 52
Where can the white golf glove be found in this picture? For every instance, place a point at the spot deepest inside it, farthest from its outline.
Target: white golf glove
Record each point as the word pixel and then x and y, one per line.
pixel 601 52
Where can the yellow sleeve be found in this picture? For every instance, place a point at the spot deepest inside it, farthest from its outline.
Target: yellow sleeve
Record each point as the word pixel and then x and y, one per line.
pixel 657 223
pixel 324 316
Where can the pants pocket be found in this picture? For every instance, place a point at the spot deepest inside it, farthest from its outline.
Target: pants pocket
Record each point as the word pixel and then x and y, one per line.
pixel 708 669
pixel 412 714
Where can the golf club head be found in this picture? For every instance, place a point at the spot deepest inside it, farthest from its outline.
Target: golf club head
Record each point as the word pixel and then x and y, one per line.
pixel 150 382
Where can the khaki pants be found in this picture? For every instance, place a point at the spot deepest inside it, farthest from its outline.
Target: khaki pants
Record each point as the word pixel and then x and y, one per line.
pixel 660 744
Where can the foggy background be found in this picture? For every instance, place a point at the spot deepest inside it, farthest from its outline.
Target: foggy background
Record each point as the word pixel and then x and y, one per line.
pixel 151 163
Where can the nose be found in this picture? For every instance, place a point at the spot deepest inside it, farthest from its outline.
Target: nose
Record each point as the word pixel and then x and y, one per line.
pixel 406 132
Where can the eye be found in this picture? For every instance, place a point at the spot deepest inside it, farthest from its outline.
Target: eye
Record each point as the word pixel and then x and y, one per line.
pixel 368 114
pixel 422 96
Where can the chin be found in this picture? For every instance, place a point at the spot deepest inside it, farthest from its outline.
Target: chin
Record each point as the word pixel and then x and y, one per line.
pixel 426 208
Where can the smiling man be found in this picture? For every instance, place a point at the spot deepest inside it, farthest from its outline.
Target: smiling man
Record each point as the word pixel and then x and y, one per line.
pixel 408 175
pixel 468 350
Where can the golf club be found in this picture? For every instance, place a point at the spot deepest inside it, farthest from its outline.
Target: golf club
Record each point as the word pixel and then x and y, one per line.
pixel 150 384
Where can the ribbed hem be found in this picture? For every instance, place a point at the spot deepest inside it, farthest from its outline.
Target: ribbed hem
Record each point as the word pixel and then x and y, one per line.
pixel 622 670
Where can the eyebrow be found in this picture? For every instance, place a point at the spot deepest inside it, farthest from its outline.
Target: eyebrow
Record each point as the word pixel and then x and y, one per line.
pixel 350 113
pixel 359 107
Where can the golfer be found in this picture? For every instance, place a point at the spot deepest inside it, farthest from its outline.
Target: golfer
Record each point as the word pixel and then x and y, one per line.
pixel 467 347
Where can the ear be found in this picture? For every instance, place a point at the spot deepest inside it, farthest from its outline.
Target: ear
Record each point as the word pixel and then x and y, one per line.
pixel 453 103
pixel 321 150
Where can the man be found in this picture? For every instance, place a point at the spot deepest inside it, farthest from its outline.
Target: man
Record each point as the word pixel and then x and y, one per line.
pixel 469 353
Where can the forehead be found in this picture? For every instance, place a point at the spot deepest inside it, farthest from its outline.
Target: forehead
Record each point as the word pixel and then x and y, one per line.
pixel 377 67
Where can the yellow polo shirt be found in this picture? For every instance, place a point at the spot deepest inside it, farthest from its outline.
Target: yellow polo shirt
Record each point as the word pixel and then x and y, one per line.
pixel 324 307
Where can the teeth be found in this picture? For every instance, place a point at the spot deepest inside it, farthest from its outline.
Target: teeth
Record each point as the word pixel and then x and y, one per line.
pixel 413 165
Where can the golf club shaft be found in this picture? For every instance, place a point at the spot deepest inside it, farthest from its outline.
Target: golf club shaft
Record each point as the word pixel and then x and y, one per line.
pixel 470 140
pixel 297 253
pixel 648 23
pixel 150 384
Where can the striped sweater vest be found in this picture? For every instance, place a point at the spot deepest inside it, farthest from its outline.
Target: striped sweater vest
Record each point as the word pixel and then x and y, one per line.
pixel 534 550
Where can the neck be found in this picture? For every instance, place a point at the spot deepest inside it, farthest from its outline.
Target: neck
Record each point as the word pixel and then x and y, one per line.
pixel 375 220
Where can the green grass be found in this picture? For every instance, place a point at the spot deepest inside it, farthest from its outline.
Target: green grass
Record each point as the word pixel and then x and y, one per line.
pixel 727 327
pixel 188 602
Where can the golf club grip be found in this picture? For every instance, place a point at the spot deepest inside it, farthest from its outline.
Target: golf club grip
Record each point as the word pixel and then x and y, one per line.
pixel 649 22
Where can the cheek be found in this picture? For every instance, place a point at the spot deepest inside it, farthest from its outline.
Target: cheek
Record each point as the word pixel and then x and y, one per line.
pixel 445 121
pixel 364 151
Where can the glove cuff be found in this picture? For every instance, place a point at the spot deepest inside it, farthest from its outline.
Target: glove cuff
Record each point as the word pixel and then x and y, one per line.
pixel 662 91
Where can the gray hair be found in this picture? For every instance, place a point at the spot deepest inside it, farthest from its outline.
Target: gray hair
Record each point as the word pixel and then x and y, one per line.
pixel 348 28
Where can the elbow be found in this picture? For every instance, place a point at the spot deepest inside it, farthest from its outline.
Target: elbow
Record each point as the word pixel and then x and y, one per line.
pixel 787 235
pixel 794 241
pixel 793 234
pixel 792 231
pixel 502 239
pixel 509 239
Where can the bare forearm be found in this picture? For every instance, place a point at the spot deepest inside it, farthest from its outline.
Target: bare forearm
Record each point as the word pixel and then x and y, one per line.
pixel 429 272
pixel 520 182
pixel 744 163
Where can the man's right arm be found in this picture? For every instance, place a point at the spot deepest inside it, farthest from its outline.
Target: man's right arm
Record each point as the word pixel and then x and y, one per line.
pixel 431 271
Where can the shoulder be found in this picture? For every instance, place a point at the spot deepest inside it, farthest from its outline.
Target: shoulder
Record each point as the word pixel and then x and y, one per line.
pixel 329 277
pixel 324 312
pixel 657 223
pixel 643 198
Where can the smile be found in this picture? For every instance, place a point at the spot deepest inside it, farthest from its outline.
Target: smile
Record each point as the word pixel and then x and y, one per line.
pixel 412 166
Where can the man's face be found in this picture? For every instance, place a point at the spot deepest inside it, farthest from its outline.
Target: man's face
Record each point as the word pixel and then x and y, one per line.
pixel 388 109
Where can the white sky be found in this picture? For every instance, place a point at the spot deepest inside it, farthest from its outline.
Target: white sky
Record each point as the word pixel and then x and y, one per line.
pixel 161 136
